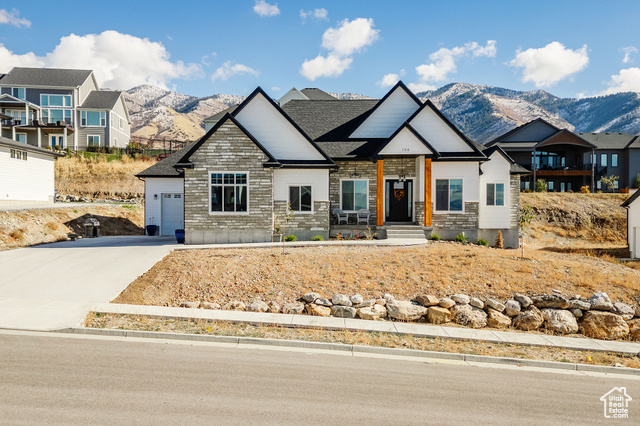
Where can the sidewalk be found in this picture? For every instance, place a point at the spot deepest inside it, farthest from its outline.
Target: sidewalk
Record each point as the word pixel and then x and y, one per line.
pixel 332 323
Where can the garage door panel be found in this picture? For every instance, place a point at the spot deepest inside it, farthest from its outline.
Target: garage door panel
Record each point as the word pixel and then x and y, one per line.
pixel 172 213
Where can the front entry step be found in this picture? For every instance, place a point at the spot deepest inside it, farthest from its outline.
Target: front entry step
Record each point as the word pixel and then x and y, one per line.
pixel 405 232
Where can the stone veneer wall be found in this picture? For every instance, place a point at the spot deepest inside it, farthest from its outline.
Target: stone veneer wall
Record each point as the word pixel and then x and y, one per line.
pixel 304 225
pixel 346 169
pixel 514 208
pixel 448 225
pixel 228 149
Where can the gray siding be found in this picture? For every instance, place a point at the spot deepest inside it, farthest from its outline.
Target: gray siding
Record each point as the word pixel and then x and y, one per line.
pixel 535 132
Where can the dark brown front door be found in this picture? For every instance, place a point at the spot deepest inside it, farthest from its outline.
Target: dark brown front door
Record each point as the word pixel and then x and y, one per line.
pixel 399 195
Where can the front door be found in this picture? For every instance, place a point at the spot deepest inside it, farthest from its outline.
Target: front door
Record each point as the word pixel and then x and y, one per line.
pixel 56 140
pixel 399 195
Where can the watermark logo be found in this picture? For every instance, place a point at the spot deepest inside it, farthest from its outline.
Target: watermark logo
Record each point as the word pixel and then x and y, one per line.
pixel 616 403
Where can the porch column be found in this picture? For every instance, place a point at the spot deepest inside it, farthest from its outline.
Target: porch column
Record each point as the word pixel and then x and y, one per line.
pixel 380 194
pixel 13 132
pixel 64 132
pixel 427 192
pixel 39 138
pixel 593 170
pixel 533 166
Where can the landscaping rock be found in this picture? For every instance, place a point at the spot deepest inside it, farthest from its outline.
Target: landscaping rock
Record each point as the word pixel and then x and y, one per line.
pixel 235 305
pixel 274 307
pixel 579 304
pixel 373 312
pixel 476 303
pixel 192 305
pixel 603 325
pixel 560 321
pixel 531 319
pixel 342 311
pixel 638 311
pixel 365 304
pixel 554 301
pixel 446 303
pixel 577 313
pixel 323 302
pixel 405 311
pixel 427 300
pixel 469 316
pixel 209 305
pixel 356 299
pixel 600 302
pixel 388 297
pixel 310 297
pixel 523 300
pixel 461 299
pixel 438 315
pixel 497 319
pixel 317 310
pixel 341 299
pixel 634 329
pixel 382 302
pixel 625 311
pixel 512 308
pixel 257 306
pixel 494 304
pixel 293 308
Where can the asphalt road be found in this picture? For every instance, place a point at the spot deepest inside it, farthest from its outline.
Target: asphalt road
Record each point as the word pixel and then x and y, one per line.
pixel 47 378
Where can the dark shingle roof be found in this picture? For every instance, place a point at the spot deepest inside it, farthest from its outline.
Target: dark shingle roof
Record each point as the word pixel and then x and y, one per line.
pixel 317 95
pixel 607 140
pixel 101 99
pixel 165 167
pixel 10 143
pixel 631 199
pixel 217 116
pixel 350 149
pixel 45 77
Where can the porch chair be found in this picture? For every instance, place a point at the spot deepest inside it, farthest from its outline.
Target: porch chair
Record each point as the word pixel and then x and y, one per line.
pixel 341 216
pixel 363 216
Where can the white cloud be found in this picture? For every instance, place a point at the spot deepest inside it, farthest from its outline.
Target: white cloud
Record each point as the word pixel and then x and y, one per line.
pixel 550 64
pixel 13 18
pixel 342 43
pixel 317 14
pixel 390 79
pixel 627 80
pixel 265 9
pixel 142 62
pixel 228 70
pixel 420 87
pixel 276 88
pixel 627 53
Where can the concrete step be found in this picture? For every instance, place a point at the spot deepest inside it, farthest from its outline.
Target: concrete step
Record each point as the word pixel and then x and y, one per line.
pixel 415 232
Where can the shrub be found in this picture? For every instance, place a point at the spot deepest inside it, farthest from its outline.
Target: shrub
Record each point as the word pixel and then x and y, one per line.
pixel 499 240
pixel 290 238
pixel 527 191
pixel 316 238
pixel 585 190
pixel 461 238
pixel 435 237
pixel 636 182
pixel 483 242
pixel 541 185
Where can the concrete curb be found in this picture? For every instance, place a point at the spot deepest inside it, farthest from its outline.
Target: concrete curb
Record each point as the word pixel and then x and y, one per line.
pixel 354 349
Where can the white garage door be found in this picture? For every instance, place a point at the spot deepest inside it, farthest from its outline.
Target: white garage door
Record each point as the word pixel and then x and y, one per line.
pixel 172 213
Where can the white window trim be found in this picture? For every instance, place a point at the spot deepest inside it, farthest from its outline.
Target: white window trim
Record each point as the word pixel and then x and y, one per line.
pixel 248 212
pixel 93 136
pixel 16 96
pixel 312 199
pixel 353 179
pixel 434 195
pixel 504 194
pixel 48 106
pixel 93 125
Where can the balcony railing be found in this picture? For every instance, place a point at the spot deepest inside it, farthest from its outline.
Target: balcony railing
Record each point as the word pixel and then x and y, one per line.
pixel 37 123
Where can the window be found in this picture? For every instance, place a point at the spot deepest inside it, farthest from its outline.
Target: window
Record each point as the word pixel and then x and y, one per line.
pixel 550 185
pixel 229 191
pixel 603 160
pixel 355 194
pixel 24 155
pixel 21 137
pixel 94 118
pixel 614 160
pixel 121 122
pixel 55 115
pixel 93 140
pixel 55 100
pixel 615 184
pixel 495 194
pixel 18 92
pixel 300 198
pixel 525 185
pixel 19 155
pixel 599 184
pixel 449 195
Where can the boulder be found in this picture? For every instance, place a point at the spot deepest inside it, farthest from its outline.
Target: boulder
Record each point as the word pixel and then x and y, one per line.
pixel 600 302
pixel 438 315
pixel 381 301
pixel 469 316
pixel 523 300
pixel 461 299
pixel 323 302
pixel 341 299
pixel 638 311
pixel 372 312
pixel 342 311
pixel 209 305
pixel 356 299
pixel 235 305
pixel 310 297
pixel 317 310
pixel 530 319
pixel 603 325
pixel 476 303
pixel 634 329
pixel 494 304
pixel 388 297
pixel 446 303
pixel 497 319
pixel 293 308
pixel 625 311
pixel 577 313
pixel 560 321
pixel 192 305
pixel 427 300
pixel 405 311
pixel 274 307
pixel 579 304
pixel 512 308
pixel 257 306
pixel 365 304
pixel 554 301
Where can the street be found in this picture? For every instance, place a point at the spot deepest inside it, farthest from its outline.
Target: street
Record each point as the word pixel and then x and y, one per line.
pixel 57 378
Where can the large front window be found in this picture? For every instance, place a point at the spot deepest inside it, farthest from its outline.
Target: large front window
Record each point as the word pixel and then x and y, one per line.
pixel 93 140
pixel 55 115
pixel 55 100
pixel 449 195
pixel 18 92
pixel 300 198
pixel 229 191
pixel 94 118
pixel 495 194
pixel 355 194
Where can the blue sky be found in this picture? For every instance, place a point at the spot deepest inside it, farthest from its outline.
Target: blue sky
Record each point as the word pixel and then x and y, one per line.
pixel 569 48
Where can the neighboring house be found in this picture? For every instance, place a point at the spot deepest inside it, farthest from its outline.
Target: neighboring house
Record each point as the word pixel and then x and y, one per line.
pixel 398 158
pixel 633 224
pixel 26 173
pixel 61 108
pixel 567 160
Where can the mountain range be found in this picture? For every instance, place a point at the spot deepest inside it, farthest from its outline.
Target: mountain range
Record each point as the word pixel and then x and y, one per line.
pixel 481 112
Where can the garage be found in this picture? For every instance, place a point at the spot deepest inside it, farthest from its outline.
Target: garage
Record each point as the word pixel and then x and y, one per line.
pixel 633 223
pixel 171 213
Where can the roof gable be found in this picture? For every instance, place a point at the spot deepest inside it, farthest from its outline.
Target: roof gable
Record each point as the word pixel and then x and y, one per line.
pixel 533 131
pixel 101 99
pixel 389 113
pixel 631 199
pixel 565 137
pixel 406 141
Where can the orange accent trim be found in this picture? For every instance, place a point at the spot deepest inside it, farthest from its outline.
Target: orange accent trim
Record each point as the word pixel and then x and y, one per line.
pixel 380 194
pixel 427 192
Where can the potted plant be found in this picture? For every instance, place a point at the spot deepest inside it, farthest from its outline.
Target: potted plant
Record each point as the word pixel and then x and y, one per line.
pixel 180 235
pixel 151 229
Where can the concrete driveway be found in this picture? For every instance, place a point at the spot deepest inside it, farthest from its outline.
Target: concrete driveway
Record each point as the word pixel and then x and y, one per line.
pixel 52 286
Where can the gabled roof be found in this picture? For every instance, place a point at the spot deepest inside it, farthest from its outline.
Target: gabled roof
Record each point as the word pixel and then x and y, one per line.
pixel 5 97
pixel 631 199
pixel 572 139
pixel 608 140
pixel 218 115
pixel 515 168
pixel 10 143
pixel 55 77
pixel 166 167
pixel 101 99
pixel 407 126
pixel 634 143
pixel 315 94
pixel 520 128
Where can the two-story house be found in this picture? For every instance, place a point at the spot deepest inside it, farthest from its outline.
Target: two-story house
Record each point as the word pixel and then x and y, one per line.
pixel 61 108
